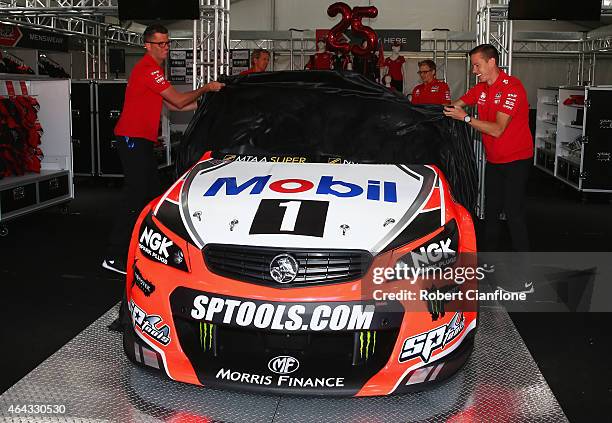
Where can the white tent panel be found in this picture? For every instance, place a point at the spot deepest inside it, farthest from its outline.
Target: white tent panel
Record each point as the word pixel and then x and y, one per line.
pixel 312 14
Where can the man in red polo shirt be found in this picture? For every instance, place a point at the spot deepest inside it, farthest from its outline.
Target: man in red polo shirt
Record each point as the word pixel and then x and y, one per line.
pixel 136 131
pixel 503 119
pixel 259 61
pixel 432 90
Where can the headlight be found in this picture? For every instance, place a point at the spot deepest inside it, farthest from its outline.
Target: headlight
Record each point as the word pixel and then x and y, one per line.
pixel 155 245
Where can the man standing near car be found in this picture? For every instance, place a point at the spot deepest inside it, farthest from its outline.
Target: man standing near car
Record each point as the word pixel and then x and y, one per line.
pixel 136 131
pixel 503 120
pixel 259 61
pixel 432 90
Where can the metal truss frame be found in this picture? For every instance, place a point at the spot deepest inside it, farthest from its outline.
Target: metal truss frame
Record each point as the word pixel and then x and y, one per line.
pixel 62 7
pixel 82 18
pixel 211 41
pixel 493 27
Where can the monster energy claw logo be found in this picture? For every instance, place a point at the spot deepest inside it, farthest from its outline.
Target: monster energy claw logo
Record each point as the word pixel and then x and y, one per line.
pixel 367 344
pixel 206 336
pixel 436 307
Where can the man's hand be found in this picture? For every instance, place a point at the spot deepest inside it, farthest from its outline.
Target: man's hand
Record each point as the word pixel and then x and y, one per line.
pixel 214 86
pixel 455 112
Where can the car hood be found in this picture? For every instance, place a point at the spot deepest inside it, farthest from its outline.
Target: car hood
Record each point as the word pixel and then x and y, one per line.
pixel 307 205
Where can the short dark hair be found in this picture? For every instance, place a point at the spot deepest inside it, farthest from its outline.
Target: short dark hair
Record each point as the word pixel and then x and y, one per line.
pixel 429 63
pixel 487 51
pixel 152 30
pixel 257 53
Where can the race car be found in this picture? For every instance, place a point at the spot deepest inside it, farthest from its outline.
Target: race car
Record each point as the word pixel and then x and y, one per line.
pixel 269 265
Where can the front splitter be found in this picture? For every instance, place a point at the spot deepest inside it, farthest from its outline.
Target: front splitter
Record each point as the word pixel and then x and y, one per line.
pixel 94 381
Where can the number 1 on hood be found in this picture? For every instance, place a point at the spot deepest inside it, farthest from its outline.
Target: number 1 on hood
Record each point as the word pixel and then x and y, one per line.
pixel 292 208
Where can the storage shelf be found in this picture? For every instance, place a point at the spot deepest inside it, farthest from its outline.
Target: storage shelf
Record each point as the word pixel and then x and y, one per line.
pixel 25 194
pixel 579 168
pixel 571 160
pixel 10 181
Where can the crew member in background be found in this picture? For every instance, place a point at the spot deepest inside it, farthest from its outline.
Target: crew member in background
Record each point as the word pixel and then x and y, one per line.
pixel 503 119
pixel 432 90
pixel 259 61
pixel 136 131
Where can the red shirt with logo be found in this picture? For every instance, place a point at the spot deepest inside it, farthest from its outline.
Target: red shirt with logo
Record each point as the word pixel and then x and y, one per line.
pixel 506 95
pixel 142 107
pixel 435 92
pixel 395 67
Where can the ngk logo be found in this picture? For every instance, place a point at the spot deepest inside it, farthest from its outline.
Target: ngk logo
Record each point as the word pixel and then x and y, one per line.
pixel 283 365
pixel 155 241
pixel 433 253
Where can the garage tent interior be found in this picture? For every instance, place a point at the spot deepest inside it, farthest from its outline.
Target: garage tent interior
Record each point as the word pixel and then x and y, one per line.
pixel 64 69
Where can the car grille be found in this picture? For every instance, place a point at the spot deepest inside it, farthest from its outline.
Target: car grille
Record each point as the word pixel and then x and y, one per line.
pixel 204 341
pixel 252 264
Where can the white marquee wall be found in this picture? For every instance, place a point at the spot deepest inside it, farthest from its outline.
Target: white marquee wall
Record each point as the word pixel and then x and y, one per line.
pixel 455 15
pixel 312 14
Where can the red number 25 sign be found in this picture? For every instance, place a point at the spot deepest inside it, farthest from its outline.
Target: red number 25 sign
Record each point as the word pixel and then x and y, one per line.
pixel 352 18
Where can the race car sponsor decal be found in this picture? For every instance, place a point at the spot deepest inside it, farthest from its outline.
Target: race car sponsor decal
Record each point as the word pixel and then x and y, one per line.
pixel 151 325
pixel 339 160
pixel 376 190
pixel 266 159
pixel 145 286
pixel 294 217
pixel 438 254
pixel 283 365
pixel 158 247
pixel 421 375
pixel 154 244
pixel 435 304
pixel 367 344
pixel 424 344
pixel 440 251
pixel 282 317
pixel 280 380
pixel 235 191
pixel 207 336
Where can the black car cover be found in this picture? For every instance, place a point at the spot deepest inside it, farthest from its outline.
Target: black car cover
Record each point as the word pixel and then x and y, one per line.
pixel 325 115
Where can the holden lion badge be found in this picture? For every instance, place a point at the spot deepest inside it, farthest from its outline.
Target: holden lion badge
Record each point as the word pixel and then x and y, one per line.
pixel 283 268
